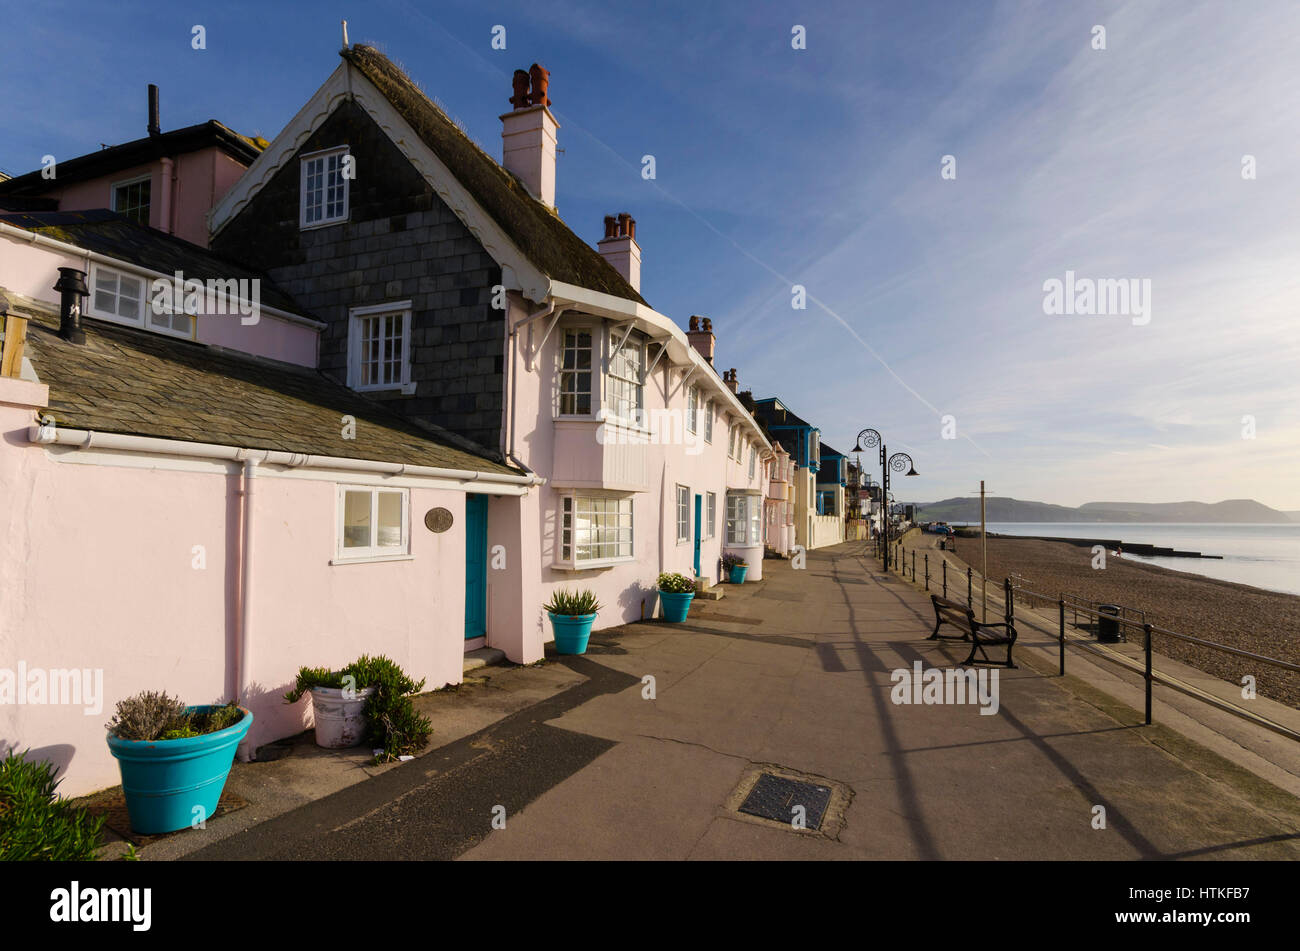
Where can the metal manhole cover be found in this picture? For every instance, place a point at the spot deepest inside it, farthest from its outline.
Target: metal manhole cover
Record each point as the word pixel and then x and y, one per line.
pixel 775 797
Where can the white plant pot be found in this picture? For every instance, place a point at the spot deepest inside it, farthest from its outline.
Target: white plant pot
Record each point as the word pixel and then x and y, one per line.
pixel 340 723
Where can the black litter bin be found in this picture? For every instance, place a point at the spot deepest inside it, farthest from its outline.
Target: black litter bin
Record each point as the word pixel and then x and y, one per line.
pixel 1108 623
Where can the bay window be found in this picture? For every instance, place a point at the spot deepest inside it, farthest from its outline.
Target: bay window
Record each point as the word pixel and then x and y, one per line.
pixel 744 520
pixel 594 530
pixel 575 373
pixel 626 386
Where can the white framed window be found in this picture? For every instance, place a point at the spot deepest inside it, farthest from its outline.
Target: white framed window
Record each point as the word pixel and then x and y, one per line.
pixel 595 530
pixel 575 372
pixel 744 520
pixel 131 198
pixel 732 435
pixel 753 459
pixel 693 409
pixel 683 513
pixel 323 189
pixel 116 295
pixel 125 299
pixel 379 347
pixel 625 386
pixel 373 523
pixel 708 422
pixel 710 515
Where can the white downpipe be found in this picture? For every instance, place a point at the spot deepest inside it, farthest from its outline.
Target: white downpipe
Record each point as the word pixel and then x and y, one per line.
pixel 246 574
pixel 89 439
pixel 512 342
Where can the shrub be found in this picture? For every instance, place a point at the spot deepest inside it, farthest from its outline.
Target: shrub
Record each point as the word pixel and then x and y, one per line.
pixel 146 716
pixel 573 603
pixel 731 560
pixel 156 716
pixel 392 723
pixel 36 824
pixel 674 583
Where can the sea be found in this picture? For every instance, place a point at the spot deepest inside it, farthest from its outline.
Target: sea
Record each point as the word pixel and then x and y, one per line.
pixel 1264 556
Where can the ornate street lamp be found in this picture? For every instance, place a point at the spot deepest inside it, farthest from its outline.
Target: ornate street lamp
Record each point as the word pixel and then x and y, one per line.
pixel 899 461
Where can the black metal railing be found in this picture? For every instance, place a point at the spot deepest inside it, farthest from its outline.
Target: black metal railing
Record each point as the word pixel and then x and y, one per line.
pixel 1015 586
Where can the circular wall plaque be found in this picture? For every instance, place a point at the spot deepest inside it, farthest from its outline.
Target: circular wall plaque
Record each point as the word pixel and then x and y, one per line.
pixel 438 520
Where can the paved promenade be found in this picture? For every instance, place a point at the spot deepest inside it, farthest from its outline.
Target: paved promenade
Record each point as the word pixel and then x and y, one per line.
pixel 791 675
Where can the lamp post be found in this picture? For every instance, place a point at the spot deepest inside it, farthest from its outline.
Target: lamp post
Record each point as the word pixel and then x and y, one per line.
pixel 898 462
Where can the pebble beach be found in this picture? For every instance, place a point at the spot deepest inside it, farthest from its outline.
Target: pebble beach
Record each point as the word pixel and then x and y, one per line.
pixel 1252 619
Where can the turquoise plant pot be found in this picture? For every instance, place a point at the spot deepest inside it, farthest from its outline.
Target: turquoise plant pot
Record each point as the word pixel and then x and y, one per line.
pixel 175 784
pixel 676 605
pixel 738 573
pixel 571 632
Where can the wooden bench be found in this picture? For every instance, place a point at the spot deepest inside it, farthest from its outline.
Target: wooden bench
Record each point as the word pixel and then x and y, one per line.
pixel 980 634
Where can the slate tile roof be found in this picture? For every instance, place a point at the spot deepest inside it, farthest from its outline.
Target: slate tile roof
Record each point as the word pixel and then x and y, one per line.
pixel 138 152
pixel 123 380
pixel 117 236
pixel 536 229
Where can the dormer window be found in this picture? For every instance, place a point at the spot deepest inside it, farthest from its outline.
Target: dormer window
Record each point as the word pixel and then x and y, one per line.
pixel 324 188
pixel 126 298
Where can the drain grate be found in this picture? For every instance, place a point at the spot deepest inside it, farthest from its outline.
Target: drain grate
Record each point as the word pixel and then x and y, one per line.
pixel 774 797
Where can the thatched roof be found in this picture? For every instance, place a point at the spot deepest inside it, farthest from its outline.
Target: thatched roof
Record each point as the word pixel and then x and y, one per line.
pixel 536 229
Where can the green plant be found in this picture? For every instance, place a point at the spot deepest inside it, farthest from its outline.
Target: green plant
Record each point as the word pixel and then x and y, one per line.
pixel 36 824
pixel 132 854
pixel 573 603
pixel 392 724
pixel 731 560
pixel 156 716
pixel 146 716
pixel 674 583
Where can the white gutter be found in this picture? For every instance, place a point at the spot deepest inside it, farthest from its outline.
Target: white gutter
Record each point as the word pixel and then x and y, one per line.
pixel 31 237
pixel 89 439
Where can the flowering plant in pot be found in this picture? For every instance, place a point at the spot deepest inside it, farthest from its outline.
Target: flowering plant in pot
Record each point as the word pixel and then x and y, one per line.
pixel 736 567
pixel 174 759
pixel 369 699
pixel 572 614
pixel 676 591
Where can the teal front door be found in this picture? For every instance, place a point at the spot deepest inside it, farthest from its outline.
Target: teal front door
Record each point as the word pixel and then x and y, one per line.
pixel 476 552
pixel 699 505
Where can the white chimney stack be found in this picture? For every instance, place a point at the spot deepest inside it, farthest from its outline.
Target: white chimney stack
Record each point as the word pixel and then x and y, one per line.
pixel 620 249
pixel 528 134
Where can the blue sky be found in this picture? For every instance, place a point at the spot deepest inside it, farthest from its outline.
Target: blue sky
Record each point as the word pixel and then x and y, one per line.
pixel 821 167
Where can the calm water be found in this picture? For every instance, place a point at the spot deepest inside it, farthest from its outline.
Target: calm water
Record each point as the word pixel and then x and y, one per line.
pixel 1266 556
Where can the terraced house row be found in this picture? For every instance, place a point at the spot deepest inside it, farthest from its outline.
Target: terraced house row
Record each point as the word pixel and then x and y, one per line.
pixel 357 389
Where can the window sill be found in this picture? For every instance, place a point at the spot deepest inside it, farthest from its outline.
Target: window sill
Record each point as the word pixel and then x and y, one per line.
pixel 322 224
pixel 385 392
pixel 367 559
pixel 598 563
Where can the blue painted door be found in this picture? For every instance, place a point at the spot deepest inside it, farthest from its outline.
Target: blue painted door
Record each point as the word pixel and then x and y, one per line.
pixel 699 503
pixel 476 551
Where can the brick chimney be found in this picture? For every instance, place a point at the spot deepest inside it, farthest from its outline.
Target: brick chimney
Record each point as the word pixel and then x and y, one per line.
pixel 620 249
pixel 729 378
pixel 702 339
pixel 528 134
